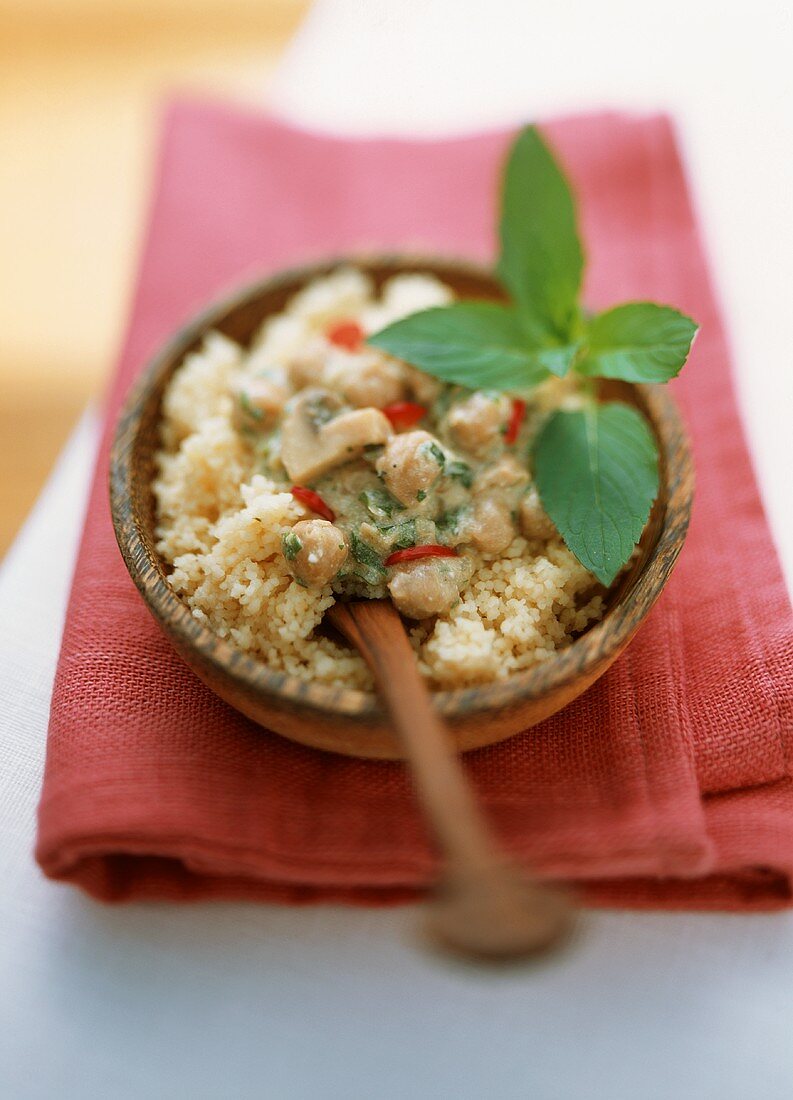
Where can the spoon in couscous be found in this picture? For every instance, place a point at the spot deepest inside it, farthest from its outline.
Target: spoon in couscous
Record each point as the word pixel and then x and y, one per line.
pixel 485 907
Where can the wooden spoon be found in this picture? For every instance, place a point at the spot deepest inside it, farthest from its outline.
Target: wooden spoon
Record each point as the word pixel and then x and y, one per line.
pixel 484 907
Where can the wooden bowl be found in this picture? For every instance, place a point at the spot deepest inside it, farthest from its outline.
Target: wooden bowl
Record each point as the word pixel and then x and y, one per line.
pixel 353 722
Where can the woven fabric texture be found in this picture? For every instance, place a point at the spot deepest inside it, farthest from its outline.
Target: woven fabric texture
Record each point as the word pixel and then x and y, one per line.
pixel 667 783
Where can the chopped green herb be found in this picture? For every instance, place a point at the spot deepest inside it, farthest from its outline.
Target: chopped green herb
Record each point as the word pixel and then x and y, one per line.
pixel 403 535
pixel 291 545
pixel 380 503
pixel 370 577
pixel 434 450
pixel 320 411
pixel 449 522
pixel 366 554
pixel 248 408
pixel 421 495
pixel 462 472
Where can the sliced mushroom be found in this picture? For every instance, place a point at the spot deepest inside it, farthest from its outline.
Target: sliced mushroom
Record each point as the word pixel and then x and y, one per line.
pixel 316 437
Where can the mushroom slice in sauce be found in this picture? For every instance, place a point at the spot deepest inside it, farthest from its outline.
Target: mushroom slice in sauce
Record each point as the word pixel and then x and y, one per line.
pixel 316 436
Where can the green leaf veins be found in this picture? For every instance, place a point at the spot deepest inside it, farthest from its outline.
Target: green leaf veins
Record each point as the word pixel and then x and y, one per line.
pixel 597 476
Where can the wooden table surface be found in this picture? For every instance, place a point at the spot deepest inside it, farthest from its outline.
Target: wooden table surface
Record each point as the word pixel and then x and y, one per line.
pixel 80 81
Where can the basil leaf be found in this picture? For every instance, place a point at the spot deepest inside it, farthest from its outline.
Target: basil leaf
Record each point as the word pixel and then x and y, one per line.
pixel 597 475
pixel 291 545
pixel 403 535
pixel 541 260
pixel 380 503
pixel 460 471
pixel 366 554
pixel 449 522
pixel 481 345
pixel 637 342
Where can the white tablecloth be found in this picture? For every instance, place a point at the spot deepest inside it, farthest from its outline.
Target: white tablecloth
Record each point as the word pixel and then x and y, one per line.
pixel 254 1001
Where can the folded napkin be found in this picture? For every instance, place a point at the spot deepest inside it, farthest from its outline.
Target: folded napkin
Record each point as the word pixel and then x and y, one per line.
pixel 667 783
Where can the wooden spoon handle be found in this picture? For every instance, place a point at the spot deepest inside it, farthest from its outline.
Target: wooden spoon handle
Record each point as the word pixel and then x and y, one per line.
pixel 485 906
pixel 376 630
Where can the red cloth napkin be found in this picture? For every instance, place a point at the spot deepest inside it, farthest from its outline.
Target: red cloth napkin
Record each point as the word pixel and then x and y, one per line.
pixel 668 783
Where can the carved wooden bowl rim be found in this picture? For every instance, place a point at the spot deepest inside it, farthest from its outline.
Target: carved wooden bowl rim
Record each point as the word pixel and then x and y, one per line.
pixel 132 514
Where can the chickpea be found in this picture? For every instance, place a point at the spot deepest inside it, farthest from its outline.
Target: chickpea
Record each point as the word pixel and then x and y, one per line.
pixel 423 387
pixel 429 586
pixel 479 422
pixel 491 529
pixel 534 520
pixel 505 473
pixel 369 380
pixel 307 368
pixel 260 401
pixel 315 550
pixel 410 465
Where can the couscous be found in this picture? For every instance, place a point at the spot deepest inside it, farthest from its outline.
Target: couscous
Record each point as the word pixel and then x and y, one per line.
pixel 313 466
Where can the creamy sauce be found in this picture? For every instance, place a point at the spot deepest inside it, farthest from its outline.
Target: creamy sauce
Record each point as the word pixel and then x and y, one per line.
pixel 403 465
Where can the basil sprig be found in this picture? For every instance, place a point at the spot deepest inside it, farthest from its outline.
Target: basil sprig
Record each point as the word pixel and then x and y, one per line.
pixel 481 345
pixel 596 470
pixel 541 261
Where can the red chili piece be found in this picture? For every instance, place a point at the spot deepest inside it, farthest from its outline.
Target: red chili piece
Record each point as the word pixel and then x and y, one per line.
pixel 413 553
pixel 346 334
pixel 515 420
pixel 313 501
pixel 404 414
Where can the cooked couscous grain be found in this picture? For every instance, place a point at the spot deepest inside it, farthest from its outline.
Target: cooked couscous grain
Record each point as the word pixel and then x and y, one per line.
pixel 223 509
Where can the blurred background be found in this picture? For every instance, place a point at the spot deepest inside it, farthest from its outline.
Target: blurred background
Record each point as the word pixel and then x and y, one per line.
pixel 80 82
pixel 80 85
